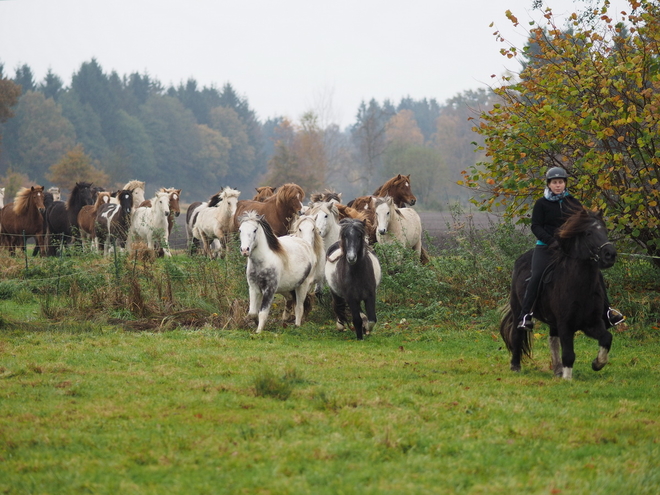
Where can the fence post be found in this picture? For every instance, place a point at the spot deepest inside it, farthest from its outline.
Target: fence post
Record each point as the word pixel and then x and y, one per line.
pixel 25 251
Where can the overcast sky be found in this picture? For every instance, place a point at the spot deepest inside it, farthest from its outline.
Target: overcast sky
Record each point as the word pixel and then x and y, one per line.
pixel 284 56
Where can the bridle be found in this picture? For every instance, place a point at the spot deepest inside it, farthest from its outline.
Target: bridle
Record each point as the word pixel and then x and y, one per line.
pixel 595 255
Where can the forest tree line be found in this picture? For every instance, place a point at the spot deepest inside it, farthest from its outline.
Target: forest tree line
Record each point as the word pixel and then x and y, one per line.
pixel 110 129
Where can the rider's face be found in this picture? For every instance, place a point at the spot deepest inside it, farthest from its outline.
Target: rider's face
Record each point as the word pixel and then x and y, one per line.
pixel 557 186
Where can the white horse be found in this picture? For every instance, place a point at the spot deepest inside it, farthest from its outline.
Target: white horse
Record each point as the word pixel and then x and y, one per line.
pixel 326 216
pixel 150 223
pixel 279 265
pixel 217 221
pixel 398 224
pixel 305 228
pixel 55 191
pixel 2 197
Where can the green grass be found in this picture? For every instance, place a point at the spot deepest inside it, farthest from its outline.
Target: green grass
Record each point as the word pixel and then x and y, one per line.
pixel 143 376
pixel 406 411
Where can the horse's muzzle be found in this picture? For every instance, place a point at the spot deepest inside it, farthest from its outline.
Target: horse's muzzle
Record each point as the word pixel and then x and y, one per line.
pixel 245 251
pixel 607 256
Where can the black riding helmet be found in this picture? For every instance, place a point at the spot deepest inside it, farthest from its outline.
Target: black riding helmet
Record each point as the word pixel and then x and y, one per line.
pixel 556 173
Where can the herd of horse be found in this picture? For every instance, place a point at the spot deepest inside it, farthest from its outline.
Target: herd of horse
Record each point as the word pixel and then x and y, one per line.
pixel 293 249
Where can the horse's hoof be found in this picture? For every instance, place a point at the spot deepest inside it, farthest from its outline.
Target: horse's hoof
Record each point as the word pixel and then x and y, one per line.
pixel 515 367
pixel 596 366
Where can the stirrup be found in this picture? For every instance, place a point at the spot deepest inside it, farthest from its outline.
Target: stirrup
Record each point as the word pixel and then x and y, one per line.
pixel 526 322
pixel 614 316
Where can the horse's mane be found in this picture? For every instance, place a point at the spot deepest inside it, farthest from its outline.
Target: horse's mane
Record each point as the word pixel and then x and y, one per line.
pixel 134 184
pixel 263 192
pixel 286 193
pixel 229 192
pixel 271 238
pixel 75 192
pixel 579 221
pixel 391 184
pixel 22 199
pixel 317 245
pixel 351 223
pixel 325 196
pixel 215 199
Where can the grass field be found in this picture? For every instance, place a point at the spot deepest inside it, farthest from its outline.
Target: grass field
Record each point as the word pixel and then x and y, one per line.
pixel 142 377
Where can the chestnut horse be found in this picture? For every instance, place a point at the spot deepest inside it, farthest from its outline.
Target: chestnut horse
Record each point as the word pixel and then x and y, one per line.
pixel 279 210
pixel 263 193
pixel 398 188
pixel 87 218
pixel 24 218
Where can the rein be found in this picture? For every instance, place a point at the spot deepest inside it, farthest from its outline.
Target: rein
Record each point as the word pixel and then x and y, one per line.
pixel 596 255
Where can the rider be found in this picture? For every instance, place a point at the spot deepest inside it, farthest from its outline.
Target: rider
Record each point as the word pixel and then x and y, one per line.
pixel 549 213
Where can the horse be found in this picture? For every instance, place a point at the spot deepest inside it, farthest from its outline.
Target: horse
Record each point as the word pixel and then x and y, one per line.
pixel 55 192
pixel 306 228
pixel 326 196
pixel 365 206
pixel 2 197
pixel 263 192
pixel 398 188
pixel 149 223
pixel 572 297
pixel 24 218
pixel 87 218
pixel 175 210
pixel 215 222
pixel 62 218
pixel 398 224
pixel 136 188
pixel 191 218
pixel 282 265
pixel 353 273
pixel 326 217
pixel 113 221
pixel 279 210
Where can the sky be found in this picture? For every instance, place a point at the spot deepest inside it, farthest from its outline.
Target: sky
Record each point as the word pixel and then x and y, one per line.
pixel 285 57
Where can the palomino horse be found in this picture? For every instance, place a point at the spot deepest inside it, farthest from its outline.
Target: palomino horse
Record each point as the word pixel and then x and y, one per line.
pixel 113 221
pixel 282 265
pixel 279 210
pixel 398 225
pixel 62 218
pixel 572 296
pixel 24 219
pixel 87 218
pixel 149 223
pixel 263 192
pixel 217 221
pixel 353 273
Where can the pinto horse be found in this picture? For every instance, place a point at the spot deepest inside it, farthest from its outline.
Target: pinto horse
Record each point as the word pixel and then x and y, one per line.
pixel 572 296
pixel 216 221
pixel 149 223
pixel 279 210
pixel 62 218
pixel 113 222
pixel 87 218
pixel 276 265
pixel 353 273
pixel 24 217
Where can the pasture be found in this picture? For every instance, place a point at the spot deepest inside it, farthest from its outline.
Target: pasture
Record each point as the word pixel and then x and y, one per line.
pixel 143 375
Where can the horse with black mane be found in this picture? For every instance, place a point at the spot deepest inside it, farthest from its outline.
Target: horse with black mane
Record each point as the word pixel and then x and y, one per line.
pixel 62 218
pixel 572 296
pixel 353 273
pixel 113 222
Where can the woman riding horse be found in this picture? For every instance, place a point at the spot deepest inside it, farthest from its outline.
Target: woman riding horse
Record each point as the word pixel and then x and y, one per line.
pixel 549 214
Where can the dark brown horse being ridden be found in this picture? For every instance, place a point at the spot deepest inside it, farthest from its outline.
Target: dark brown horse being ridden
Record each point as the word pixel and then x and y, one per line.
pixel 572 296
pixel 279 210
pixel 23 219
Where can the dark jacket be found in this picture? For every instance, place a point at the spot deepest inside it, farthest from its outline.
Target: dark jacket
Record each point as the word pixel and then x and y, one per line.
pixel 548 216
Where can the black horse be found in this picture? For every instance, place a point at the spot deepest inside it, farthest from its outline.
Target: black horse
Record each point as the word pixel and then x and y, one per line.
pixel 62 218
pixel 353 275
pixel 572 296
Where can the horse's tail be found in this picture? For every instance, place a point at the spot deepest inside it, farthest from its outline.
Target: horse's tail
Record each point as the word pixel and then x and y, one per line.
pixel 509 331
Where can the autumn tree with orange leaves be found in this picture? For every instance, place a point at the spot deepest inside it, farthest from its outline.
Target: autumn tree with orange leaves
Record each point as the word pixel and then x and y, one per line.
pixel 588 100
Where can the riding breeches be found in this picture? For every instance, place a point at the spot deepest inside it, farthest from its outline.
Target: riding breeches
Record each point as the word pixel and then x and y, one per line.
pixel 540 261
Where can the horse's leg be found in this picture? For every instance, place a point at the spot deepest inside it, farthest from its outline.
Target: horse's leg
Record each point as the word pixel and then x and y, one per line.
pixel 354 305
pixel 567 352
pixel 266 300
pixel 555 353
pixel 301 293
pixel 339 308
pixel 370 308
pixel 604 338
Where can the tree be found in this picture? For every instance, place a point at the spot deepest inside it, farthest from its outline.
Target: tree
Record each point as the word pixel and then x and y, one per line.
pixel 402 130
pixel 40 135
pixel 75 166
pixel 52 86
pixel 587 101
pixel 9 94
pixel 24 78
